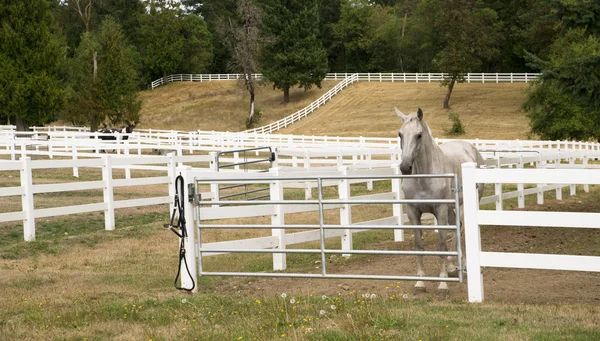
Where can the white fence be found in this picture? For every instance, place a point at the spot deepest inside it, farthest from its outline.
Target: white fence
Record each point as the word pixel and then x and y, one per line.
pixel 288 120
pixel 370 77
pixel 474 217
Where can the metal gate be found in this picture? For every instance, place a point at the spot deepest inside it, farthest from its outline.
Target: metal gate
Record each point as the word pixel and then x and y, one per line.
pixel 321 202
pixel 243 163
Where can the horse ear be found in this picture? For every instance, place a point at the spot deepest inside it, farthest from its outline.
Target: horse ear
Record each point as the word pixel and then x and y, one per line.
pixel 400 114
pixel 420 114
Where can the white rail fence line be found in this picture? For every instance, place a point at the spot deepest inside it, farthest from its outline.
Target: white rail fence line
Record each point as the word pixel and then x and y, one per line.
pixel 28 189
pixel 474 217
pixel 370 77
pixel 288 120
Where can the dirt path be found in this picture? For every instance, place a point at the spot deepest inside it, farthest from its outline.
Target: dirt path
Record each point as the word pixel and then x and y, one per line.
pixel 501 285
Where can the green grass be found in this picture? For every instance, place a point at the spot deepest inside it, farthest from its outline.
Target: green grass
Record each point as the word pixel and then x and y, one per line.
pixel 310 317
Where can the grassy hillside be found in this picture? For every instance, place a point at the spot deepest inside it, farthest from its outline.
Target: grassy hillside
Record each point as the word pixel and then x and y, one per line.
pixel 218 106
pixel 488 111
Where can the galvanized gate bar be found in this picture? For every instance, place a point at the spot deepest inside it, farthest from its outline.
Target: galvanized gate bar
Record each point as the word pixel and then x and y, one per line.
pixel 333 227
pixel 333 276
pixel 328 202
pixel 335 251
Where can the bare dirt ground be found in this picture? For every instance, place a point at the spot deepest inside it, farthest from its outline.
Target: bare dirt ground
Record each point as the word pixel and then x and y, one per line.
pixel 487 111
pixel 501 285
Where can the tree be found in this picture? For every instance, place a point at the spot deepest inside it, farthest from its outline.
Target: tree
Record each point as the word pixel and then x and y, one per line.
pixel 469 35
pixel 172 43
pixel 244 42
pixel 565 102
pixel 296 56
pixel 30 59
pixel 106 92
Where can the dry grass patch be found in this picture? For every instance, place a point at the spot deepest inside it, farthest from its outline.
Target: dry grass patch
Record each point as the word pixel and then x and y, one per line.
pixel 487 111
pixel 220 106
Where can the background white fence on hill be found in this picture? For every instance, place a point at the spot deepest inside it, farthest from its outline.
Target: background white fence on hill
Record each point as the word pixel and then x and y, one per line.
pixel 474 217
pixel 370 77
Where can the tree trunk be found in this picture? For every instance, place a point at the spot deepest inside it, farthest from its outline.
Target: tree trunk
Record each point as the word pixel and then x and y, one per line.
pixel 286 95
pixel 251 117
pixel 448 94
pixel 95 66
pixel 21 125
pixel 93 125
pixel 404 22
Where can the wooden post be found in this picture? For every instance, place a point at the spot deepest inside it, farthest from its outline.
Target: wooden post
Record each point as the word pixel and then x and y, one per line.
pixel 277 219
pixel 109 210
pixel 472 232
pixel 190 241
pixel 27 200
pixel 397 208
pixel 345 211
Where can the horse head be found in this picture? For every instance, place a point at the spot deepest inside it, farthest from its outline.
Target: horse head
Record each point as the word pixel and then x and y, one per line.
pixel 411 134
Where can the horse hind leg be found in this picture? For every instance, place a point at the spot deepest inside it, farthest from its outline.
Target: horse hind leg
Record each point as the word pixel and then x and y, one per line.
pixel 442 218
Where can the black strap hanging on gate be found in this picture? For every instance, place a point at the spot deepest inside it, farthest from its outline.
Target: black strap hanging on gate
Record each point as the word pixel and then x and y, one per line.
pixel 179 208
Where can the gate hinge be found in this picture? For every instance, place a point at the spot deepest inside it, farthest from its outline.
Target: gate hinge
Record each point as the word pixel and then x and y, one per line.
pixel 460 189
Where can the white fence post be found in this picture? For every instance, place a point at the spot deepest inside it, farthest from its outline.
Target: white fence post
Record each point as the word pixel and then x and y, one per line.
pixel 277 219
pixel 573 189
pixel 172 174
pixel 27 200
pixel 127 168
pixel 586 187
pixel 560 187
pixel 370 164
pixel 74 155
pixel 472 233
pixel 190 241
pixel 109 210
pixel 307 184
pixel 540 187
pixel 345 211
pixel 397 208
pixel 520 187
pixel 214 166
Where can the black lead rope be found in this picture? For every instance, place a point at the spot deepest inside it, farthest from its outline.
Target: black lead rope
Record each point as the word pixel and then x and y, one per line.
pixel 180 230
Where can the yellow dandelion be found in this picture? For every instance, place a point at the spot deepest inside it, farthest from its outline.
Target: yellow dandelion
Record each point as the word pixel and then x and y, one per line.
pixel 184 329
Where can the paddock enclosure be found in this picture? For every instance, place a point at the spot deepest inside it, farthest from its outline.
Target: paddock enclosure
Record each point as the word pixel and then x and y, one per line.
pixel 337 190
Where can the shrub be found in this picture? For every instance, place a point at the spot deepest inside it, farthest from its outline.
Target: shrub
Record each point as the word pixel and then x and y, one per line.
pixel 255 120
pixel 457 127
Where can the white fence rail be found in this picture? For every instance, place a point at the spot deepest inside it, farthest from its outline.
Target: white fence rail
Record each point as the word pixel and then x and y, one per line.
pixel 370 77
pixel 474 217
pixel 288 120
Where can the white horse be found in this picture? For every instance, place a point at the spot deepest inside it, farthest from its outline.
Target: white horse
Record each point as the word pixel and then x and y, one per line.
pixel 422 155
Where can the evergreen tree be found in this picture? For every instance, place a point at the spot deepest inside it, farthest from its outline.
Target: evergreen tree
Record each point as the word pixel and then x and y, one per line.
pixel 296 56
pixel 172 43
pixel 30 59
pixel 565 102
pixel 106 91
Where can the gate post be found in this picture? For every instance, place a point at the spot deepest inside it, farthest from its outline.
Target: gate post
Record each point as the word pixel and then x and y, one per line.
pixel 27 200
pixel 345 211
pixel 397 208
pixel 109 210
pixel 277 219
pixel 190 241
pixel 472 233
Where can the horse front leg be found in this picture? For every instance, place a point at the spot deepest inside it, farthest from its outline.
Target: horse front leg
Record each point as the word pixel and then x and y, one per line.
pixel 441 213
pixel 415 219
pixel 452 266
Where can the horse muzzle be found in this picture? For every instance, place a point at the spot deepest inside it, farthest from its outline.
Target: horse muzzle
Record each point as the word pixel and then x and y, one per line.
pixel 405 169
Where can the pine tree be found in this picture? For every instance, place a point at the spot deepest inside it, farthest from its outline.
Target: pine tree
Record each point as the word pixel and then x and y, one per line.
pixel 30 58
pixel 296 55
pixel 106 92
